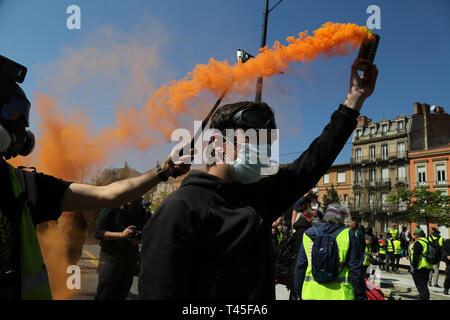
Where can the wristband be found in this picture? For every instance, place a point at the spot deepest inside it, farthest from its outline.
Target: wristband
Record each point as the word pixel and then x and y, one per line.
pixel 161 174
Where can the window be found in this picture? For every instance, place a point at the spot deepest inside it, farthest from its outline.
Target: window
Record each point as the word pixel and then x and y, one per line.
pixel 358 178
pixel 358 134
pixel 341 177
pixel 401 173
pixel 400 125
pixel 372 200
pixel 384 128
pixel 383 200
pixel 345 199
pixel 440 174
pixel 372 153
pixel 400 149
pixel 384 151
pixel 326 178
pixel 358 155
pixel 372 174
pixel 385 174
pixel 357 200
pixel 372 130
pixel 421 175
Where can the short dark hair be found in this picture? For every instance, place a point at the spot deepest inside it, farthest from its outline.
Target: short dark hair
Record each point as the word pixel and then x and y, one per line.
pixel 222 119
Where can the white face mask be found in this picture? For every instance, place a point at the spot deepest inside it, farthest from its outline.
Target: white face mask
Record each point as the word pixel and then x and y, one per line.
pixel 247 167
pixel 315 206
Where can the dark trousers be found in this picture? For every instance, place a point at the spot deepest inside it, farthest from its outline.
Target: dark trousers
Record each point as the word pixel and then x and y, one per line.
pixel 390 261
pixel 114 281
pixel 447 277
pixel 397 257
pixel 381 258
pixel 420 277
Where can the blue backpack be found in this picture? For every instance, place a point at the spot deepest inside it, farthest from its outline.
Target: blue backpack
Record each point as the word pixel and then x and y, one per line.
pixel 325 262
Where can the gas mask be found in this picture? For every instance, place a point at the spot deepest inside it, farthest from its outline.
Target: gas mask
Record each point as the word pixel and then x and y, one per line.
pixel 14 111
pixel 14 138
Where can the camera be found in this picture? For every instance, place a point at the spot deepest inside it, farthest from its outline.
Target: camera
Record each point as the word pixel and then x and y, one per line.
pixel 136 235
pixel 243 56
pixel 12 71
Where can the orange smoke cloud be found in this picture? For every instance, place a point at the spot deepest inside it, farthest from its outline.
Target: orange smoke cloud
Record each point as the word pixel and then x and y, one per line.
pixel 170 100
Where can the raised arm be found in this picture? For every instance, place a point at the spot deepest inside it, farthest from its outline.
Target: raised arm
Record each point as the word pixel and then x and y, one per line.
pixel 88 197
pixel 302 174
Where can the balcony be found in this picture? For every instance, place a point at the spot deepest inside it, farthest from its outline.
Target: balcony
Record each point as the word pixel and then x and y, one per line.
pixel 379 158
pixel 378 183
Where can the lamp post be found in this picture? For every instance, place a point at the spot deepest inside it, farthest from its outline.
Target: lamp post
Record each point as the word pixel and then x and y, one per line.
pixel 259 81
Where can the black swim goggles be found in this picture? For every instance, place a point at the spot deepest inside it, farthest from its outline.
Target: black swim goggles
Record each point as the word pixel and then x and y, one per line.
pixel 254 118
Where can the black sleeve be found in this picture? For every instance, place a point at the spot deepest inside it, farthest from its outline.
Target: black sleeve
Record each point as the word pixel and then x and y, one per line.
pixel 301 175
pixel 105 223
pixel 167 252
pixel 417 253
pixel 49 192
pixel 355 266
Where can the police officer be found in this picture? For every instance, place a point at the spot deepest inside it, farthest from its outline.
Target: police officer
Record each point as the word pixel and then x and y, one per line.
pixel 29 198
pixel 420 266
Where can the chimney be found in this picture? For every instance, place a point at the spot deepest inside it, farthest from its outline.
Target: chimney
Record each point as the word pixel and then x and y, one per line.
pixel 426 114
pixel 425 109
pixel 438 109
pixel 363 121
pixel 417 108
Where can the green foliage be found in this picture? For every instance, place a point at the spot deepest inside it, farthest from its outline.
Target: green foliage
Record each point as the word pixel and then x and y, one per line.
pixel 331 197
pixel 423 205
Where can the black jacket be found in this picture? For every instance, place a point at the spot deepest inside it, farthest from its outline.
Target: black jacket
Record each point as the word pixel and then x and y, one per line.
pixel 211 239
pixel 446 251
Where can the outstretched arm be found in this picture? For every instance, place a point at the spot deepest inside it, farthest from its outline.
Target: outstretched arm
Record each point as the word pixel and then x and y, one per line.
pixel 88 197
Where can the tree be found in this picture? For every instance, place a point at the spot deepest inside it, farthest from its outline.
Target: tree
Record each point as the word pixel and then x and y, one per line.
pixel 331 197
pixel 422 205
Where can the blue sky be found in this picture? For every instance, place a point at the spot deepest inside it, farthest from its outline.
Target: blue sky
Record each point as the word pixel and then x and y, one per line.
pixel 413 57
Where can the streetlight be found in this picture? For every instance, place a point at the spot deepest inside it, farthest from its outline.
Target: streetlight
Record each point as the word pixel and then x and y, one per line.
pixel 259 81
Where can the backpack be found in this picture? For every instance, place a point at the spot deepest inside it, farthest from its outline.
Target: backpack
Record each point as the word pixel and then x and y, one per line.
pixel 434 254
pixel 325 257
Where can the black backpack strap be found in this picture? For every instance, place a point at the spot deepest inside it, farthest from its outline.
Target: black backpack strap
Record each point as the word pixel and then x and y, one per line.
pixel 27 182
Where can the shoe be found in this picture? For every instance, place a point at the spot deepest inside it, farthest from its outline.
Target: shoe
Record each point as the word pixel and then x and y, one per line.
pixel 437 286
pixel 429 283
pixel 446 291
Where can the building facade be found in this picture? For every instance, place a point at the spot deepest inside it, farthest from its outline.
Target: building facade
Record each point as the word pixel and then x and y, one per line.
pixel 429 168
pixel 340 177
pixel 379 166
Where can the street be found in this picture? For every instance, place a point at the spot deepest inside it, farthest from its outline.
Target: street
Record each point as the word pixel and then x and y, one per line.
pixel 397 286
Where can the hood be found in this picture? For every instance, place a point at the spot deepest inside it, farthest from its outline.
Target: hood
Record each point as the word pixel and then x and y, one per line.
pixel 323 228
pixel 209 181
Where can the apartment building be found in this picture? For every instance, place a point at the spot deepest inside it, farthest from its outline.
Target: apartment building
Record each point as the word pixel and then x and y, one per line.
pixel 340 177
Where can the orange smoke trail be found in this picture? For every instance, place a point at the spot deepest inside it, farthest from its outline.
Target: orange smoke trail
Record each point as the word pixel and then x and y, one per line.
pixel 170 100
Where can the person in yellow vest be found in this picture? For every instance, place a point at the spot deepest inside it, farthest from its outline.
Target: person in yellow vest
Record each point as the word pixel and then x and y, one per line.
pixel 389 252
pixel 381 251
pixel 30 198
pixel 393 230
pixel 349 283
pixel 420 266
pixel 436 238
pixel 397 254
pixel 367 254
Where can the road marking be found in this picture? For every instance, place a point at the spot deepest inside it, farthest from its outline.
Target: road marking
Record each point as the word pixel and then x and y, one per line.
pixel 94 262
